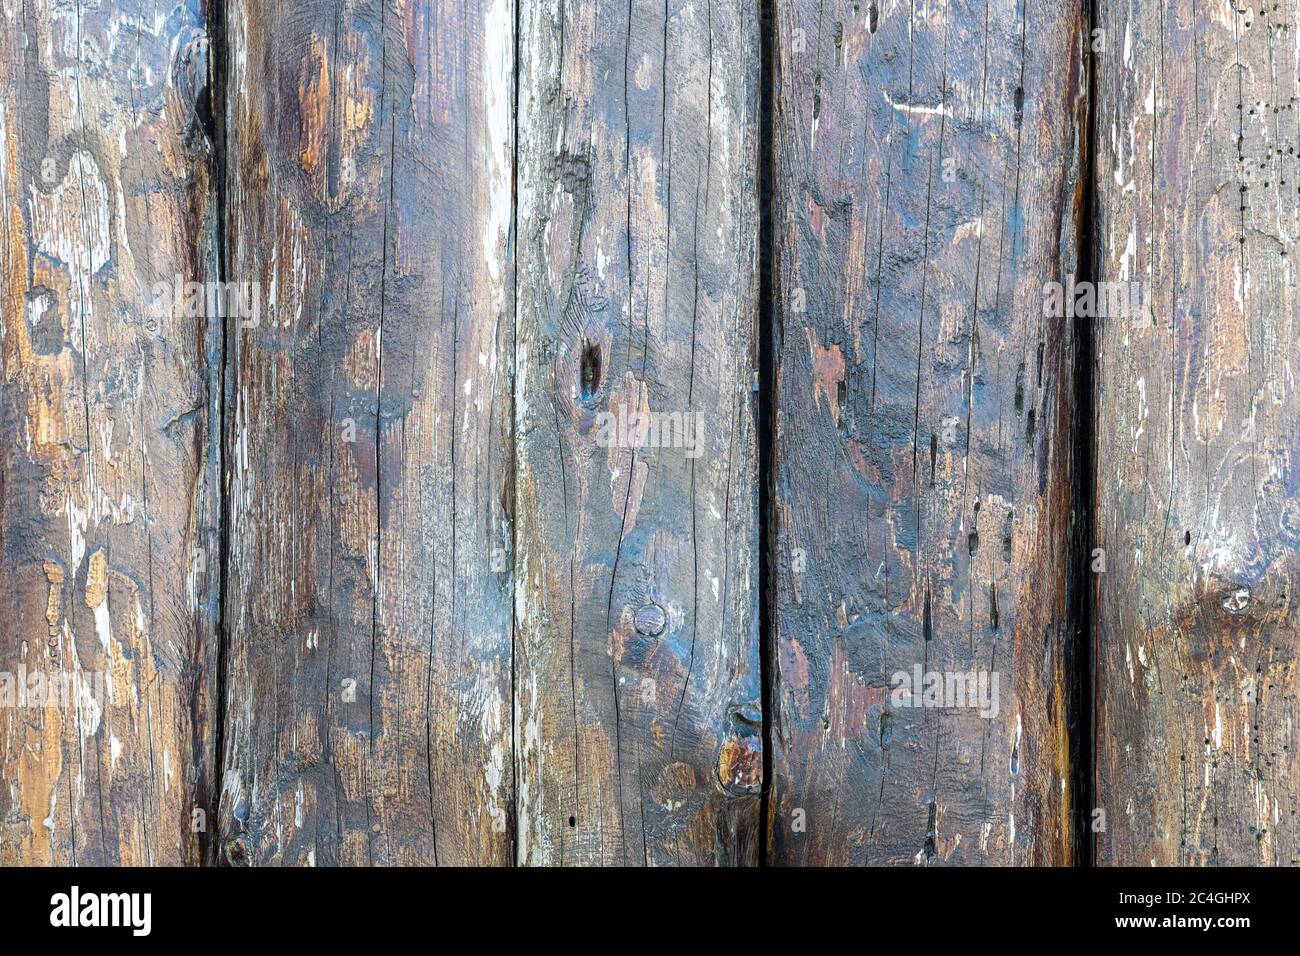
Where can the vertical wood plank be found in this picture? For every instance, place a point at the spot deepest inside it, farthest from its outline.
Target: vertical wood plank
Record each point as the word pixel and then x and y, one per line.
pixel 369 609
pixel 927 189
pixel 638 699
pixel 1198 435
pixel 108 470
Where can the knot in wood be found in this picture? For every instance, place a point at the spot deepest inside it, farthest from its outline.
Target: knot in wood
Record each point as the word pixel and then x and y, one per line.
pixel 651 620
pixel 1236 600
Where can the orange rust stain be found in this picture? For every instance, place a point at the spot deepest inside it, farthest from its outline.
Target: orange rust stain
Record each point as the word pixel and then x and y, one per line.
pixel 357 114
pixel 1061 725
pixel 794 675
pixel 817 217
pixel 314 107
pixel 336 117
pixel 740 764
pixel 850 702
pixel 674 786
pixel 362 362
pixel 828 372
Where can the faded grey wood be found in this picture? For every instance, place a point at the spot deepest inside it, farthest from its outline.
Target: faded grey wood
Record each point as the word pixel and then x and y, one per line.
pixel 109 494
pixel 1198 435
pixel 637 691
pixel 927 187
pixel 473 613
pixel 368 697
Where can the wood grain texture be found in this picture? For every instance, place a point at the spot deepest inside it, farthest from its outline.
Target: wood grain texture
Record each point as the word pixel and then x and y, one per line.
pixel 446 551
pixel 369 610
pixel 108 469
pixel 1198 481
pixel 926 168
pixel 637 685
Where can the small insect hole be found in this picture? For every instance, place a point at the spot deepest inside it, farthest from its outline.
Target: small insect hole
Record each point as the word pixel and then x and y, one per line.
pixel 589 371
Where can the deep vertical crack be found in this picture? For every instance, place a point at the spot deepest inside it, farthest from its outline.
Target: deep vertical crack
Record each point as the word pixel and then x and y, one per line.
pixel 1083 583
pixel 766 398
pixel 514 441
pixel 217 79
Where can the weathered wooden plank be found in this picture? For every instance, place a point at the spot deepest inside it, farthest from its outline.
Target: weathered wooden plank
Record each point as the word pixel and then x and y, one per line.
pixel 637 697
pixel 926 169
pixel 369 609
pixel 108 470
pixel 1198 436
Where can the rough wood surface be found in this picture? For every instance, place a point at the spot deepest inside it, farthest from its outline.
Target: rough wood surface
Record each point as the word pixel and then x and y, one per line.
pixel 1198 479
pixel 369 612
pixel 108 469
pixel 926 168
pixel 433 536
pixel 637 686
